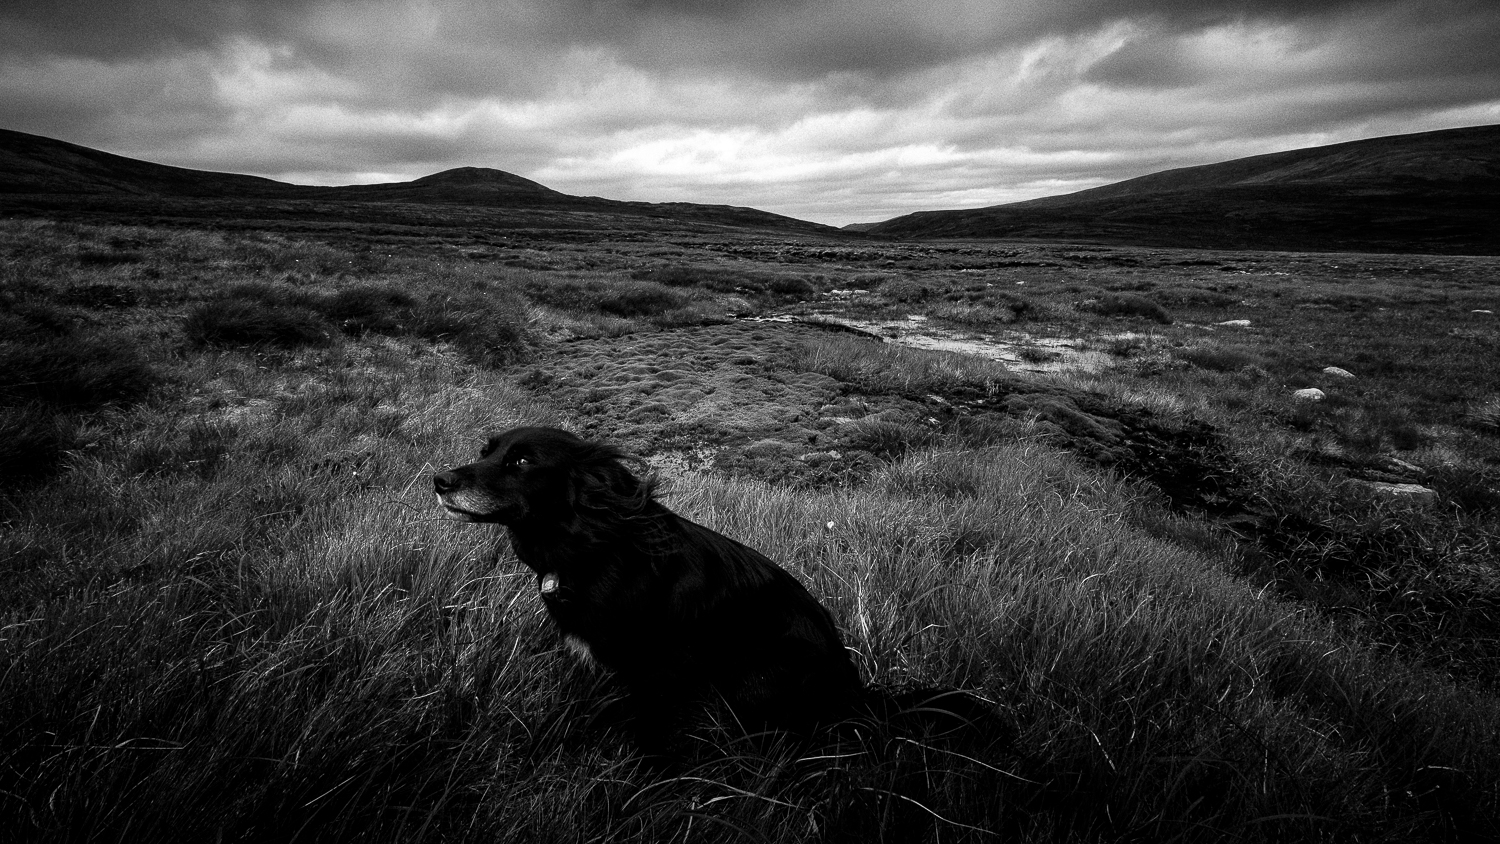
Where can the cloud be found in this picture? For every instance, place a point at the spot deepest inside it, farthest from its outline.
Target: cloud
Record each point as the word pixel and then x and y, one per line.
pixel 837 110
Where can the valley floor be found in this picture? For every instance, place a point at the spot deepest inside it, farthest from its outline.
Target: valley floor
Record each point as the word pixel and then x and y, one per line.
pixel 1077 480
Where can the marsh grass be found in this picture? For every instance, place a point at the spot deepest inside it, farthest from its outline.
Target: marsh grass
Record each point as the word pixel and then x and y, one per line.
pixel 1124 304
pixel 618 298
pixel 1218 357
pixel 890 368
pixel 766 285
pixel 484 320
pixel 52 372
pixel 374 672
pixel 33 438
pixel 233 614
pixel 907 290
pixel 238 321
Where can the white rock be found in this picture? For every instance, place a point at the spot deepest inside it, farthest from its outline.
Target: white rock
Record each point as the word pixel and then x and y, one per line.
pixel 1413 493
pixel 1235 323
pixel 1309 394
pixel 1337 372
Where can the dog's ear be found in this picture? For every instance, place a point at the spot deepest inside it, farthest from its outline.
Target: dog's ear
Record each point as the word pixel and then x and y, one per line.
pixel 600 481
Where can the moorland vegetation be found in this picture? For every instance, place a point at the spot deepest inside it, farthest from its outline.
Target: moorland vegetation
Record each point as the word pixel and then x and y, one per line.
pixel 230 609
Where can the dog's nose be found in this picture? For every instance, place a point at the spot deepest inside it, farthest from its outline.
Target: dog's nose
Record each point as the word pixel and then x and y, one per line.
pixel 444 482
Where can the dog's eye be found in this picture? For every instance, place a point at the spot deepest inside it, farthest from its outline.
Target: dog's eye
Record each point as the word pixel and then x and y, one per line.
pixel 517 460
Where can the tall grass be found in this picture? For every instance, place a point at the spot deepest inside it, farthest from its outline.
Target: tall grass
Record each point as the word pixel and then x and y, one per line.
pixel 891 368
pixel 367 670
pixel 51 373
pixel 1128 305
pixel 233 613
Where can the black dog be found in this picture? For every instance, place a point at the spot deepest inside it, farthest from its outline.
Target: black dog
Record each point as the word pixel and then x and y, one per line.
pixel 681 614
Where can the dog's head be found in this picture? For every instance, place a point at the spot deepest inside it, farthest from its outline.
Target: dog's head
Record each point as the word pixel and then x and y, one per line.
pixel 540 476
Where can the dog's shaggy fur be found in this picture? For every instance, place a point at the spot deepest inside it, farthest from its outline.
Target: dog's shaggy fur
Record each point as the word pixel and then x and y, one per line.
pixel 682 615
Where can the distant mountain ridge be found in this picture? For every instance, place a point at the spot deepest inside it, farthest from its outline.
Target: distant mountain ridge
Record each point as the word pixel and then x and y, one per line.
pixel 1426 192
pixel 51 175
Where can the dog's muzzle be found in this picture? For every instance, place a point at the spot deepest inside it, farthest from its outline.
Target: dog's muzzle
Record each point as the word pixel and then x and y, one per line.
pixel 449 487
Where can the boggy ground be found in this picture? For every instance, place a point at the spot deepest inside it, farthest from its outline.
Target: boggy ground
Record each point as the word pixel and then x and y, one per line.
pixel 1175 367
pixel 230 609
pixel 767 400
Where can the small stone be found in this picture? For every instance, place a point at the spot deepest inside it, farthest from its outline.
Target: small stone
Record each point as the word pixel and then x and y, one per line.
pixel 1309 394
pixel 1235 323
pixel 1396 464
pixel 1337 372
pixel 1413 493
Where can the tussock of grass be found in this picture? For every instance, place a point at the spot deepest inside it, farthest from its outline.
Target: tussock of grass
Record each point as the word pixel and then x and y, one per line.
pixel 1219 358
pixel 1193 297
pixel 611 307
pixel 905 290
pixel 724 279
pixel 621 298
pixel 48 382
pixel 884 367
pixel 74 371
pixel 487 325
pixel 33 317
pixel 485 321
pixel 1128 305
pixel 247 322
pixel 369 307
pixel 1415 575
pixel 985 306
pixel 33 438
pixel 884 439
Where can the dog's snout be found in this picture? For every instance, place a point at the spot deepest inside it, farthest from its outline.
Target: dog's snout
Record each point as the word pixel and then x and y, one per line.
pixel 445 482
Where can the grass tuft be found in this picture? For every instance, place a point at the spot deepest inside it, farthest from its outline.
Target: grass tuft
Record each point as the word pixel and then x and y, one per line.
pixel 905 290
pixel 1219 358
pixel 73 372
pixel 33 438
pixel 368 307
pixel 1128 305
pixel 487 325
pixel 248 322
pixel 774 286
pixel 621 298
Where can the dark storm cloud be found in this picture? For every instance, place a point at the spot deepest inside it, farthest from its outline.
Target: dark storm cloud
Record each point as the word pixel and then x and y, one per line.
pixel 481 47
pixel 135 28
pixel 841 110
pixel 807 36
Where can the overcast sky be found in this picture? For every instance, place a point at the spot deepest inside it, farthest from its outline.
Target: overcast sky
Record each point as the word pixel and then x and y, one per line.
pixel 837 111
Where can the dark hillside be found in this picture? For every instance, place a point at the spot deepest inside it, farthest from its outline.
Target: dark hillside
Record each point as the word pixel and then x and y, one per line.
pixel 30 164
pixel 44 175
pixel 1428 192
